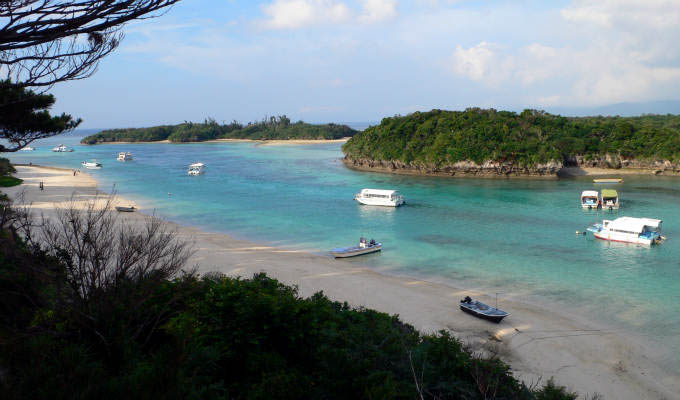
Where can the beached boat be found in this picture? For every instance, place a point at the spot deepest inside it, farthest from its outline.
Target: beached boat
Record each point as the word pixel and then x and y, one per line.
pixel 590 199
pixel 481 310
pixel 379 197
pixel 28 148
pixel 608 180
pixel 610 199
pixel 644 231
pixel 196 169
pixel 91 164
pixel 62 149
pixel 364 247
pixel 126 208
pixel 123 156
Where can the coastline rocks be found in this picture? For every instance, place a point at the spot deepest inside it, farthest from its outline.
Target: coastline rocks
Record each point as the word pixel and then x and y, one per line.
pixel 492 169
pixel 615 161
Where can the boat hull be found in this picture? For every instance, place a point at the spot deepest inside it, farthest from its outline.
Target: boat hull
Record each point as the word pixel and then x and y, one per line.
pixel 125 209
pixel 493 318
pixel 379 202
pixel 355 251
pixel 623 239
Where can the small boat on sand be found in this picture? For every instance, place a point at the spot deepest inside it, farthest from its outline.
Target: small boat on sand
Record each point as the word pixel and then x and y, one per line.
pixel 608 180
pixel 126 208
pixel 364 247
pixel 481 310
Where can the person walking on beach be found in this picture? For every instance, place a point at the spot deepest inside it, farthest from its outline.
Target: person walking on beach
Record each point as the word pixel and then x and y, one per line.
pixel 74 172
pixel 42 187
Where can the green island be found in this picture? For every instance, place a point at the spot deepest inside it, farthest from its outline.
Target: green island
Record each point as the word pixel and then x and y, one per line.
pixel 272 128
pixel 487 142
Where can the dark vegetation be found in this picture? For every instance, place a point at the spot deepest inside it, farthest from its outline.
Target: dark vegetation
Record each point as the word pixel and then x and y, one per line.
pixel 444 137
pixel 267 129
pixel 5 170
pixel 93 308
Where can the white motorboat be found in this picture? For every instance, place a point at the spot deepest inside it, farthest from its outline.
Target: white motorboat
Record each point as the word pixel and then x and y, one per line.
pixel 123 156
pixel 196 169
pixel 644 231
pixel 28 148
pixel 379 197
pixel 610 199
pixel 364 247
pixel 62 149
pixel 590 199
pixel 91 164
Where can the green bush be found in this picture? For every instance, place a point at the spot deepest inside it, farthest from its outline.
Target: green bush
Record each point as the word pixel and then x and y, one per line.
pixel 6 167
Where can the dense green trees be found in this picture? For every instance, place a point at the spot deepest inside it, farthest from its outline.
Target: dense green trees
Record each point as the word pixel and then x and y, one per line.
pixel 25 117
pixel 444 137
pixel 267 129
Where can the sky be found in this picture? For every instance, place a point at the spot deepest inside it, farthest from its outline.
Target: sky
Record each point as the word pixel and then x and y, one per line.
pixel 362 60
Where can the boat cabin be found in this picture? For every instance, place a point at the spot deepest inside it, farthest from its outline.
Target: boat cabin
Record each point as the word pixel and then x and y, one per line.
pixel 590 199
pixel 610 199
pixel 628 229
pixel 379 197
pixel 196 168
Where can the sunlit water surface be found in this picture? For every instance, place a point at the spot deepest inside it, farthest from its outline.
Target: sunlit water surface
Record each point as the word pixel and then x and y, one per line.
pixel 508 236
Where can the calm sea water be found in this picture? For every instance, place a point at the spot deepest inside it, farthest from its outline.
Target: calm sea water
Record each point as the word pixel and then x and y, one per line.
pixel 513 236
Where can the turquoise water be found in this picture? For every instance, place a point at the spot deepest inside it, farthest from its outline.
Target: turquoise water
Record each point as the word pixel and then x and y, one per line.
pixel 514 236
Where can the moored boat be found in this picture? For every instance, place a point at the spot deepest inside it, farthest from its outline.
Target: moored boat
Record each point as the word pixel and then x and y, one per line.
pixel 610 199
pixel 608 180
pixel 93 164
pixel 62 149
pixel 379 197
pixel 28 148
pixel 645 231
pixel 364 247
pixel 124 156
pixel 481 310
pixel 129 208
pixel 196 169
pixel 590 199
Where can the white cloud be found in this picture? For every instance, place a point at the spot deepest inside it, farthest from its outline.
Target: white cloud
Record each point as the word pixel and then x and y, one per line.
pixel 378 10
pixel 643 14
pixel 483 62
pixel 288 14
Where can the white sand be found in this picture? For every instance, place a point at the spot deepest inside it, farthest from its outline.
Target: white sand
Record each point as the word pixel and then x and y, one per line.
pixel 537 342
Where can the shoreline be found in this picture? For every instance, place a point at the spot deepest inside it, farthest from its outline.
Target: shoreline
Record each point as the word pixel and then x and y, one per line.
pixel 272 142
pixel 562 173
pixel 536 341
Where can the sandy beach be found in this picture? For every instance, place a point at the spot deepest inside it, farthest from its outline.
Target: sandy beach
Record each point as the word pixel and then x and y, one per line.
pixel 538 342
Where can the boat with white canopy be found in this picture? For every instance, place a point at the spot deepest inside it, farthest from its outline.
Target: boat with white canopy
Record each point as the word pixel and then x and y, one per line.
pixel 28 148
pixel 590 199
pixel 123 156
pixel 196 168
pixel 62 149
pixel 379 197
pixel 644 231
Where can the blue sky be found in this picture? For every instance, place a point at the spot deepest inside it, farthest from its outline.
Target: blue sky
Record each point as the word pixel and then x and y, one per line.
pixel 361 60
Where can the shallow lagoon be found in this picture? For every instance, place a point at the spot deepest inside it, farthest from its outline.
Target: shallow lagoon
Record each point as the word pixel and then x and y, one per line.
pixel 508 236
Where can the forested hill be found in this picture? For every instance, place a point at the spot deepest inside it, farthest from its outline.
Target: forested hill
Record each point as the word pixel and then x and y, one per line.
pixel 514 142
pixel 267 129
